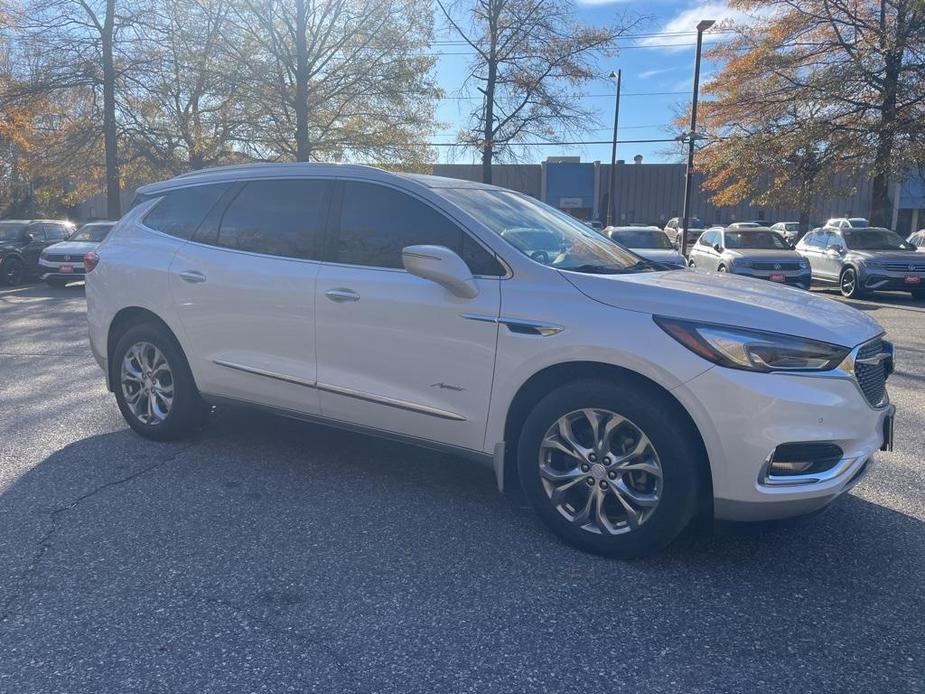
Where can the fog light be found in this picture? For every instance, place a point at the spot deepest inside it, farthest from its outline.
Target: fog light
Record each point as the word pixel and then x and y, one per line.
pixel 799 459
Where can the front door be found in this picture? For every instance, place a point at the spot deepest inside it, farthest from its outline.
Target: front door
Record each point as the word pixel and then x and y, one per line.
pixel 396 352
pixel 244 288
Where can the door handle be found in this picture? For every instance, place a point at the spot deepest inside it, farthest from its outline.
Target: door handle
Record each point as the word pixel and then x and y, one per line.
pixel 192 276
pixel 342 295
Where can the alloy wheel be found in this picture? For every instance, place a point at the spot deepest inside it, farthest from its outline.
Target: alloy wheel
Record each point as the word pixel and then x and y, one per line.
pixel 600 471
pixel 147 383
pixel 848 282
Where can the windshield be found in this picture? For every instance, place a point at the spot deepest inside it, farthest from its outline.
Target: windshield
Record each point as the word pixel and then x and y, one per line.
pixel 545 234
pixel 858 222
pixel 874 240
pixel 91 232
pixel 642 239
pixel 792 226
pixel 11 231
pixel 755 239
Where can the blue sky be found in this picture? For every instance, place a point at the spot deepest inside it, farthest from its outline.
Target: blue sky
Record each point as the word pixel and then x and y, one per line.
pixel 660 59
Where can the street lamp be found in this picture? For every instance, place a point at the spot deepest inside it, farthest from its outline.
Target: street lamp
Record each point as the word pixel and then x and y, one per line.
pixel 611 197
pixel 692 135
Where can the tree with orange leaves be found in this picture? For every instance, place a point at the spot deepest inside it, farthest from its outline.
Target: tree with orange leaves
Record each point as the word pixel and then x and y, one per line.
pixel 812 88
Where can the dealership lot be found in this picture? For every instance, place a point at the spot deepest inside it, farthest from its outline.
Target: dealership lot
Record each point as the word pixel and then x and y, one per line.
pixel 271 555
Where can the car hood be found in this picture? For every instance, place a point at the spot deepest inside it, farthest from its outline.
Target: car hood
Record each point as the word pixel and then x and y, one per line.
pixel 10 245
pixel 730 300
pixel 886 256
pixel 71 248
pixel 660 255
pixel 765 254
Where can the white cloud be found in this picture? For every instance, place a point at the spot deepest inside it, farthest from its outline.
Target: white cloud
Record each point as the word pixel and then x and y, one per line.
pixel 687 21
pixel 652 73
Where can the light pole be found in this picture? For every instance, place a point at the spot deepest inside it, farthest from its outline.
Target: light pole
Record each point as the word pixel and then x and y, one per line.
pixel 611 196
pixel 692 135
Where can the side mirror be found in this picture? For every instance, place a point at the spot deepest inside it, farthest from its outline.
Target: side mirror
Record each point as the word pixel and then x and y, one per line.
pixel 717 248
pixel 27 237
pixel 441 265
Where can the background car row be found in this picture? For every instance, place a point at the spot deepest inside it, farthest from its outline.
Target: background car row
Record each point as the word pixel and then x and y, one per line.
pixel 49 249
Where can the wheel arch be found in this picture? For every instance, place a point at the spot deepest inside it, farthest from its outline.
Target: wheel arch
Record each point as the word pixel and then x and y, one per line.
pixel 124 319
pixel 551 377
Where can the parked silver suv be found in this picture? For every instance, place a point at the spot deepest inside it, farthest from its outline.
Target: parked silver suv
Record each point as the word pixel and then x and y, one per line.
pixel 756 252
pixel 864 260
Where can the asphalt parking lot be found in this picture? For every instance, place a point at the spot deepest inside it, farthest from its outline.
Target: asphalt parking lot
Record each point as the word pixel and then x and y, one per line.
pixel 269 555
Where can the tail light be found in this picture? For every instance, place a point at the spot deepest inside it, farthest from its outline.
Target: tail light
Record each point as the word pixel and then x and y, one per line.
pixel 91 260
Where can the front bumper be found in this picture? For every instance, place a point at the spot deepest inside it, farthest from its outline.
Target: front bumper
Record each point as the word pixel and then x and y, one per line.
pixel 879 280
pixel 802 279
pixel 49 269
pixel 744 416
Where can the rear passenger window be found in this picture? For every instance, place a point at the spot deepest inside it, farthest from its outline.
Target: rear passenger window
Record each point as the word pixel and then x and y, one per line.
pixel 377 222
pixel 282 217
pixel 181 211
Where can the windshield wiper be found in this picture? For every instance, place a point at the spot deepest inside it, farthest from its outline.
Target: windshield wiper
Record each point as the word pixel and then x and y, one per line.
pixel 610 270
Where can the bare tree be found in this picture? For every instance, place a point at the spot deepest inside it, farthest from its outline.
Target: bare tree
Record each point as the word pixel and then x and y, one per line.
pixel 332 78
pixel 183 109
pixel 530 58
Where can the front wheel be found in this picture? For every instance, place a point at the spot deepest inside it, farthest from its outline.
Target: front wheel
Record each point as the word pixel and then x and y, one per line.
pixel 604 466
pixel 153 384
pixel 12 271
pixel 848 283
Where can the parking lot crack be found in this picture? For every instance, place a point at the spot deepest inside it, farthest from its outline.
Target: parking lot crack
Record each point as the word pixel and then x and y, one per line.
pixel 287 632
pixel 46 540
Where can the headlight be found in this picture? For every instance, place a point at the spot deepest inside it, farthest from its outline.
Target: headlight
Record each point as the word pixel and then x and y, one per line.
pixel 753 350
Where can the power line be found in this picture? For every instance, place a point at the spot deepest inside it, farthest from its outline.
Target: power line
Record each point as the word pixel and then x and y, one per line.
pixel 554 144
pixel 580 96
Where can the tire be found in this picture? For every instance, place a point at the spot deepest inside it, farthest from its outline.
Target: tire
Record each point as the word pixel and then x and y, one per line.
pixel 673 451
pixel 848 283
pixel 152 416
pixel 12 271
pixel 691 263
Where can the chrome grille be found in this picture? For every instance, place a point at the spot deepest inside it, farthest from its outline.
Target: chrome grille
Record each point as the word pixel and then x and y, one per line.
pixel 779 267
pixel 905 267
pixel 871 377
pixel 65 258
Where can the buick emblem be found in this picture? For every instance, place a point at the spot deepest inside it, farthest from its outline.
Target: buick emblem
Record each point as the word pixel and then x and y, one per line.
pixel 777 266
pixel 911 268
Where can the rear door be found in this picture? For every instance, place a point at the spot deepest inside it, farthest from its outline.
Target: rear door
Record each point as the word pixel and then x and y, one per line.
pixel 244 288
pixel 35 246
pixel 397 352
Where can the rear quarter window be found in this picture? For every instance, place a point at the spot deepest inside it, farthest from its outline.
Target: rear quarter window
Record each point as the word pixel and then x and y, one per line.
pixel 180 212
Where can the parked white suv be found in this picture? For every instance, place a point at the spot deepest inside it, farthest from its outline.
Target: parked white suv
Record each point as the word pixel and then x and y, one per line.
pixel 621 397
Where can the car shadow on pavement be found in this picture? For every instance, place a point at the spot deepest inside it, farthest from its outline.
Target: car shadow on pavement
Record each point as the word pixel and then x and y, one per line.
pixel 266 551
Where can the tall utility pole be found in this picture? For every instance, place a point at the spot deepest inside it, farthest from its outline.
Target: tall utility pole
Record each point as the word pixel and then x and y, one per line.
pixel 692 135
pixel 611 196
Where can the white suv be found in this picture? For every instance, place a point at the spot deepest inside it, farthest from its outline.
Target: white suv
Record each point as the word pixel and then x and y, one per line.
pixel 623 398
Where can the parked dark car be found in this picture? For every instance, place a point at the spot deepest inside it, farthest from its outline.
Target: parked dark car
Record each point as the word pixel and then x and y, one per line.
pixel 21 243
pixel 864 260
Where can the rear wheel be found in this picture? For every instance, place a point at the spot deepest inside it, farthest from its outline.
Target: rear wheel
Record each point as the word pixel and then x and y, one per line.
pixel 153 384
pixel 12 271
pixel 604 466
pixel 848 283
